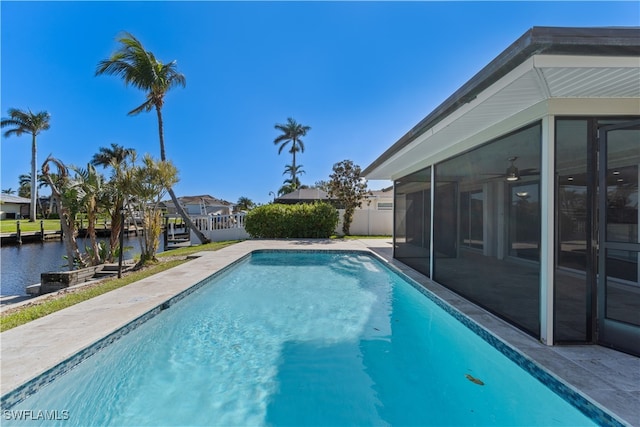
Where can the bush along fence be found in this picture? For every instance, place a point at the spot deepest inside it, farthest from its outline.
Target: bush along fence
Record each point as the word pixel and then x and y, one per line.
pixel 276 221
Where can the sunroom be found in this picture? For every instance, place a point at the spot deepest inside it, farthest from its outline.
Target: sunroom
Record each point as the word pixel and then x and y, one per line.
pixel 520 191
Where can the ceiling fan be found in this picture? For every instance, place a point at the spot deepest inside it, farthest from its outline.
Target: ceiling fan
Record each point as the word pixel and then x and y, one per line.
pixel 512 173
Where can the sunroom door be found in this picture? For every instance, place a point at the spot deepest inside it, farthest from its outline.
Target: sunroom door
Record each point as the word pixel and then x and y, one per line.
pixel 619 237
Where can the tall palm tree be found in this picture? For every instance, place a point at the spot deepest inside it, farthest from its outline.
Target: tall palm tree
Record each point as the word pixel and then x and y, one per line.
pixel 293 132
pixel 9 191
pixel 140 68
pixel 31 123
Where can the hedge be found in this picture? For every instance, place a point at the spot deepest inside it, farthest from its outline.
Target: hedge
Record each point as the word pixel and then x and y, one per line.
pixel 278 221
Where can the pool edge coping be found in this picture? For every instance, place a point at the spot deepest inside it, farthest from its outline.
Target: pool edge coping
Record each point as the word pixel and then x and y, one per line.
pixel 561 387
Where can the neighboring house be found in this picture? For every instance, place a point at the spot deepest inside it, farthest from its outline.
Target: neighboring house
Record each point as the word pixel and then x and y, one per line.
pixel 14 207
pixel 200 205
pixel 496 191
pixel 379 200
pixel 303 195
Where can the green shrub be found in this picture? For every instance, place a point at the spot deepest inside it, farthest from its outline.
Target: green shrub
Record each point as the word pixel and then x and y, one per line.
pixel 276 221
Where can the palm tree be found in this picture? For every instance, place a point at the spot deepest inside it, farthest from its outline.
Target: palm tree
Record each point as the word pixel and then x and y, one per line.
pixel 292 131
pixel 24 189
pixel 245 204
pixel 293 171
pixel 9 191
pixel 116 157
pixel 140 68
pixel 24 182
pixel 113 156
pixel 88 189
pixel 65 197
pixel 33 124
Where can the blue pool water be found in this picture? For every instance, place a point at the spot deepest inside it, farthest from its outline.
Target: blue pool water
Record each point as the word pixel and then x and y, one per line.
pixel 290 338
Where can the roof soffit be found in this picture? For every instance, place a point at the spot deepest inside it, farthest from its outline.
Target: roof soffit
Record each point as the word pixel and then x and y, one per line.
pixel 539 78
pixel 602 42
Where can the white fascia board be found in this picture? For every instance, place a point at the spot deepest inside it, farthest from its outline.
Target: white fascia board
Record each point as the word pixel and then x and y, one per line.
pixel 573 61
pixel 594 106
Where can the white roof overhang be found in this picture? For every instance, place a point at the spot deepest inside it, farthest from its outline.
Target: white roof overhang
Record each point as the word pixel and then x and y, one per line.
pixel 548 71
pixel 525 94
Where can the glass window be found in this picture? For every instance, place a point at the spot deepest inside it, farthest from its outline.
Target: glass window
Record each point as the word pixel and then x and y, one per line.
pixel 471 219
pixel 487 226
pixel 573 231
pixel 412 206
pixel 524 217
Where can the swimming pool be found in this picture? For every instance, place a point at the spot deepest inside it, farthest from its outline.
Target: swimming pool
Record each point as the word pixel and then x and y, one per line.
pixel 287 338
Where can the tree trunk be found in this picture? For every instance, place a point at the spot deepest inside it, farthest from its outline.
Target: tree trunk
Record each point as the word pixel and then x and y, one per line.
pixel 347 219
pixel 203 239
pixel 91 230
pixel 68 233
pixel 34 180
pixel 116 227
pixel 293 165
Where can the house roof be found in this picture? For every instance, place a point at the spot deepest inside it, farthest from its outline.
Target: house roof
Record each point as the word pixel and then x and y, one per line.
pixel 196 200
pixel 9 198
pixel 303 195
pixel 556 74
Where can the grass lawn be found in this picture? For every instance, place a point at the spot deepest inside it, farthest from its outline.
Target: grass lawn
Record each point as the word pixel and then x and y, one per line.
pixel 26 313
pixel 9 225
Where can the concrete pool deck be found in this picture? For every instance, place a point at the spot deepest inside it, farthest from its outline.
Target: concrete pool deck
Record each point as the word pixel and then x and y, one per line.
pixel 608 378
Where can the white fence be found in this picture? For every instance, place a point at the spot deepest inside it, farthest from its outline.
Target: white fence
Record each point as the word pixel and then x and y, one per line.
pixel 218 228
pixel 366 222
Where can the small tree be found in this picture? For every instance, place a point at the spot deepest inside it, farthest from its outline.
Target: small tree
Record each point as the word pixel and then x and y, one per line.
pixel 66 198
pixel 348 188
pixel 117 159
pixel 322 185
pixel 88 186
pixel 149 183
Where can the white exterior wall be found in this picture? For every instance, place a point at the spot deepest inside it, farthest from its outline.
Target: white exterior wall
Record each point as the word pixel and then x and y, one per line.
pixel 223 235
pixel 368 222
pixel 10 208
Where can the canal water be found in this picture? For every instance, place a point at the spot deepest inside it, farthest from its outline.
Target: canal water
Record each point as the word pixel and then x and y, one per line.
pixel 21 265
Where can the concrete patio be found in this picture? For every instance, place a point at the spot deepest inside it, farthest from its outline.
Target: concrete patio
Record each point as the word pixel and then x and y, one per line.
pixel 610 379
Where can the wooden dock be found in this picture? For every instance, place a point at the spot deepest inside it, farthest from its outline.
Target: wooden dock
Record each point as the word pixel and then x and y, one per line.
pixel 18 238
pixel 30 236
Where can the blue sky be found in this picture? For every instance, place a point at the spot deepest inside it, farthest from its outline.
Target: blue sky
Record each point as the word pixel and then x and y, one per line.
pixel 361 74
